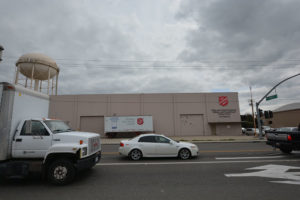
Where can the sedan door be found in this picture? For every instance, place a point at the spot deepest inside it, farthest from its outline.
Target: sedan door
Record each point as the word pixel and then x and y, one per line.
pixel 147 145
pixel 165 147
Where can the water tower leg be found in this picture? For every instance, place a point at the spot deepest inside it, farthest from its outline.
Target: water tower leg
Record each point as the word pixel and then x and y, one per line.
pixel 17 75
pixel 36 84
pixel 48 80
pixel 41 86
pixel 52 87
pixel 56 84
pixel 26 80
pixel 32 73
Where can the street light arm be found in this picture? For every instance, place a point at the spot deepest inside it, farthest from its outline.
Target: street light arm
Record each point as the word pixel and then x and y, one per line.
pixel 275 87
pixel 257 104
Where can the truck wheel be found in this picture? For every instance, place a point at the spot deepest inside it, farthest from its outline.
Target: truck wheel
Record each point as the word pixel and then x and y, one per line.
pixel 61 172
pixel 286 150
pixel 184 154
pixel 135 154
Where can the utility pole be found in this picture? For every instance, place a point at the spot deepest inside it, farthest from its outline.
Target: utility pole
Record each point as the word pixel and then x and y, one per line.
pixel 257 103
pixel 251 103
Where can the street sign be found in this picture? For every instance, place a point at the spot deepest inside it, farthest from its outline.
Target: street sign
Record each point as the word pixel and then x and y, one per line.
pixel 271 97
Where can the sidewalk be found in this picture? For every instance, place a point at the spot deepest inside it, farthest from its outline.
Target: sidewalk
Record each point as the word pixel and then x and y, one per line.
pixel 197 139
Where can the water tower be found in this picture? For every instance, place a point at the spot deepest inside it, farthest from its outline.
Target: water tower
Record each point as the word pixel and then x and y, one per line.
pixel 38 68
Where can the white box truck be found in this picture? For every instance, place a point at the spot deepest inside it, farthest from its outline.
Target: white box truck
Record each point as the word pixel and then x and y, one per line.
pixel 127 124
pixel 28 139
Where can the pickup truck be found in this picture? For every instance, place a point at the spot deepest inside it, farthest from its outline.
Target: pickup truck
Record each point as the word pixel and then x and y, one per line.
pixel 29 142
pixel 287 139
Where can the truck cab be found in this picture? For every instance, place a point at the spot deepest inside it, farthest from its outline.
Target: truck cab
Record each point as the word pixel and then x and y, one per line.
pixel 61 151
pixel 28 141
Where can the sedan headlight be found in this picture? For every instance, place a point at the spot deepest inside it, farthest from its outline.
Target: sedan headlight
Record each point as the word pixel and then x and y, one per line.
pixel 84 151
pixel 193 147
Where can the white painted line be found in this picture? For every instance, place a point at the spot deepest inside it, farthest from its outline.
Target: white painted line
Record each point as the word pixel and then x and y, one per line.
pixel 192 163
pixel 273 171
pixel 244 158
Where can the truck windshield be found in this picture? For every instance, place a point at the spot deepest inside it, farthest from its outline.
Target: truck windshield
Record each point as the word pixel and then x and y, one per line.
pixel 57 126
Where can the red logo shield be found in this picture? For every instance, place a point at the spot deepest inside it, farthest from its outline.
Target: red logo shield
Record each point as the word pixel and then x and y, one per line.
pixel 223 100
pixel 140 121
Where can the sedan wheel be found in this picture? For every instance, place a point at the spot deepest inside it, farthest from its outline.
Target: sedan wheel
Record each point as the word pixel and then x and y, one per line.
pixel 184 154
pixel 135 154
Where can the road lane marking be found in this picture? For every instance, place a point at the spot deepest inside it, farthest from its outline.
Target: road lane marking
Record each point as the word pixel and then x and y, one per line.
pixel 273 171
pixel 244 158
pixel 191 163
pixel 210 151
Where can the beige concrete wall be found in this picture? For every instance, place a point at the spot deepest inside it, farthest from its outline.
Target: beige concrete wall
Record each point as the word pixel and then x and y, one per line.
pixel 173 114
pixel 228 129
pixel 93 124
pixel 217 113
pixel 285 119
pixel 64 108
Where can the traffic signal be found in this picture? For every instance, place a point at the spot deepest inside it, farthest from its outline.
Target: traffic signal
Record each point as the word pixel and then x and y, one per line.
pixel 270 114
pixel 260 111
pixel 267 115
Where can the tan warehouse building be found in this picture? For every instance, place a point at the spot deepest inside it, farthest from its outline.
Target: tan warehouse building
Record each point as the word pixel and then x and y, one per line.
pixel 285 116
pixel 178 114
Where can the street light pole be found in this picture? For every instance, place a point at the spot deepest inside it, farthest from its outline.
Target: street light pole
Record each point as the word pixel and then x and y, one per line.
pixel 252 111
pixel 1 49
pixel 257 103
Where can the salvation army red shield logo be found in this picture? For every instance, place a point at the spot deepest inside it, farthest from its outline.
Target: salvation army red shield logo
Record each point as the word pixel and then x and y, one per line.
pixel 140 121
pixel 223 100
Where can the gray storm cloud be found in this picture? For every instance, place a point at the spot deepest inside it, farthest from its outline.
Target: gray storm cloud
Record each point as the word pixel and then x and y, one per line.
pixel 122 47
pixel 256 40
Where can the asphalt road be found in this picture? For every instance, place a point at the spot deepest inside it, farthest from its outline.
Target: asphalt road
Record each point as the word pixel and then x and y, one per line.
pixel 220 172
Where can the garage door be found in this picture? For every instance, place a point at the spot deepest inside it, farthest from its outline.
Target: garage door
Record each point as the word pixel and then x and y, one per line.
pixel 92 124
pixel 191 124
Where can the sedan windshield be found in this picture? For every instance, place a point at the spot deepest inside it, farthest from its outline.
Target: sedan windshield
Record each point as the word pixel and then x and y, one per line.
pixel 57 126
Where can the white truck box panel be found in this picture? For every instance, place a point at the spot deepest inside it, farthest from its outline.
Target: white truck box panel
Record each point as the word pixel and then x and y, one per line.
pixel 128 124
pixel 20 103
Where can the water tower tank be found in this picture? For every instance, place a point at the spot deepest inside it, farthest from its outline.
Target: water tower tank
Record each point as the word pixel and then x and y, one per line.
pixel 37 67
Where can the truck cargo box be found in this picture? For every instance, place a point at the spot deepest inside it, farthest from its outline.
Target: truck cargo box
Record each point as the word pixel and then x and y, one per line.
pixel 17 103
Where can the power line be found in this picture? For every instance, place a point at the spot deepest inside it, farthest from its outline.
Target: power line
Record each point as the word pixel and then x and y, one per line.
pixel 170 61
pixel 156 67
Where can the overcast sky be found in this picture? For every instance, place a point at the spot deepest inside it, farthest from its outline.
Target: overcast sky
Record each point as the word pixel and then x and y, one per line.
pixel 158 46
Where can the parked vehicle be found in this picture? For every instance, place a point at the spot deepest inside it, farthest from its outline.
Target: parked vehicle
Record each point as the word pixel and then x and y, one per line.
pixel 243 130
pixel 252 131
pixel 154 145
pixel 266 128
pixel 127 124
pixel 287 129
pixel 28 140
pixel 287 139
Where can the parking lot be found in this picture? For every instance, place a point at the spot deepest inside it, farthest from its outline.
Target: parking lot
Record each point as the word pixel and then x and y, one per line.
pixel 222 171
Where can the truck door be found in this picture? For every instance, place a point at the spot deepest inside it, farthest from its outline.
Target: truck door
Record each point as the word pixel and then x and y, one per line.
pixel 33 141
